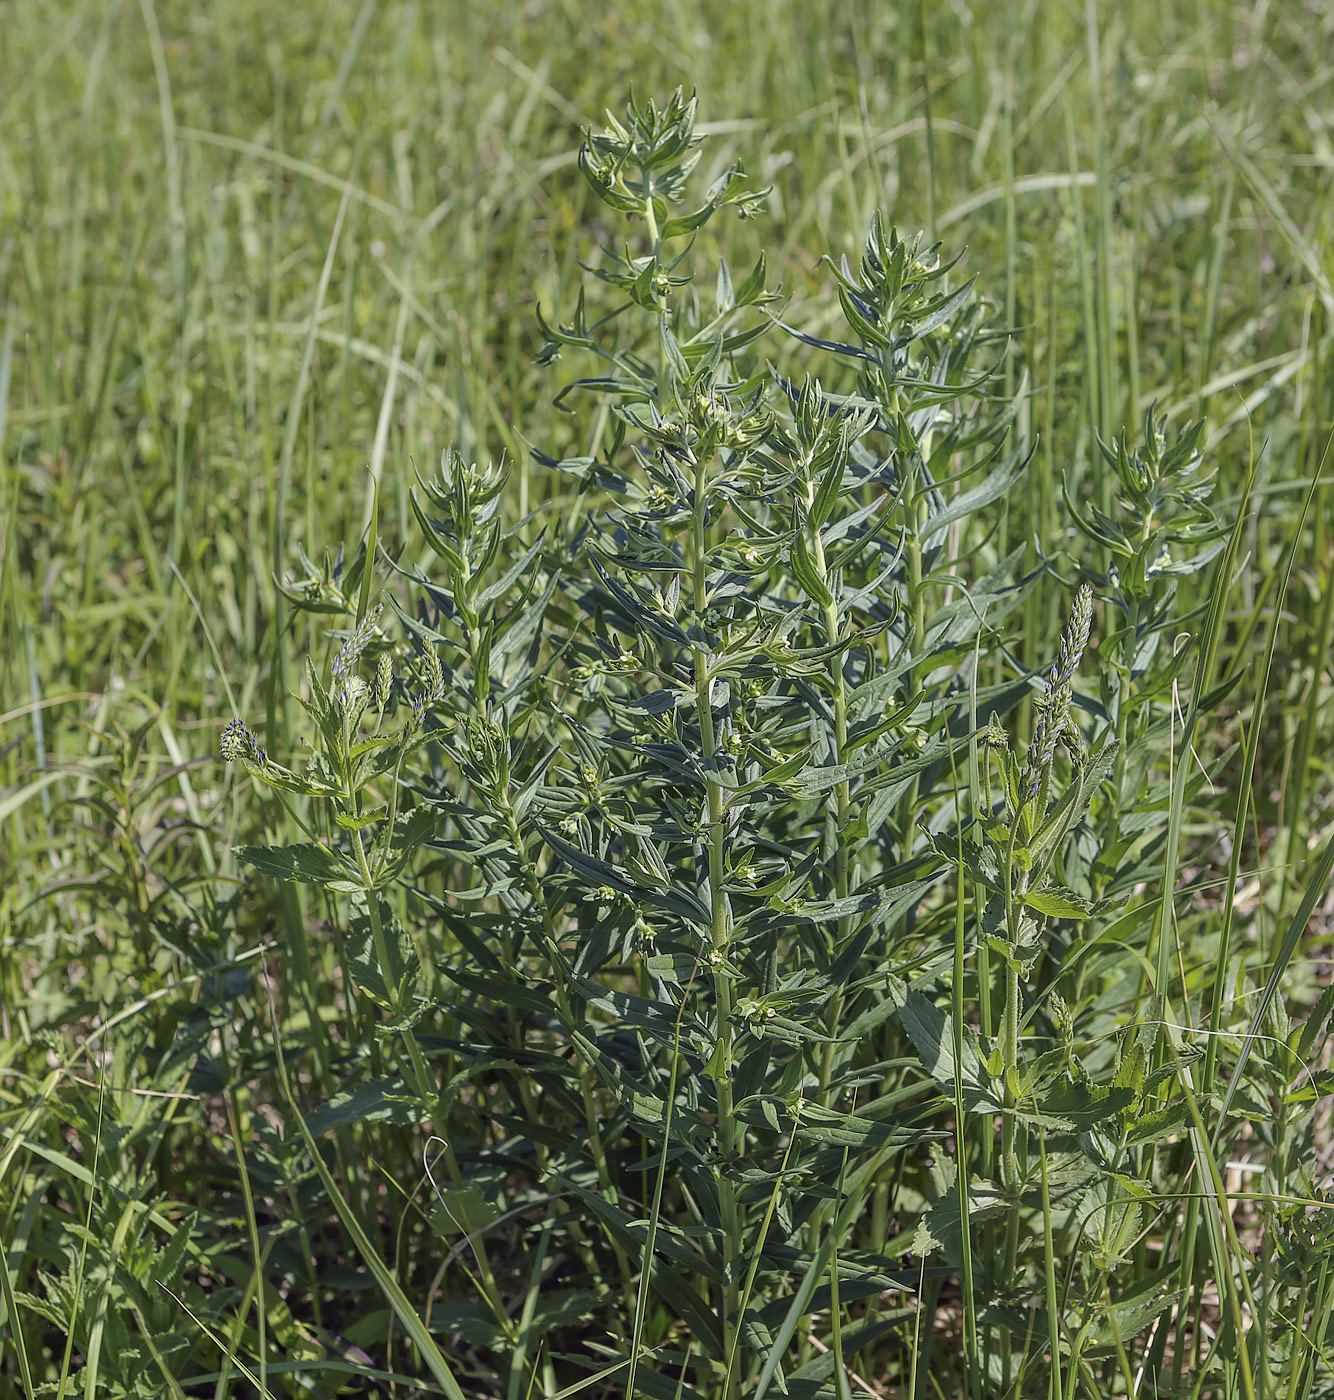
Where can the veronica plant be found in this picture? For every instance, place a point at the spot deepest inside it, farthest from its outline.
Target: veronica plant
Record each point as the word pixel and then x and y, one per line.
pixel 775 676
pixel 667 836
pixel 361 838
pixel 669 781
pixel 1162 530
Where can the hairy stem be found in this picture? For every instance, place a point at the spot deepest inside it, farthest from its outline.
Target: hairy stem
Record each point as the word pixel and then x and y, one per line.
pixel 833 627
pixel 719 931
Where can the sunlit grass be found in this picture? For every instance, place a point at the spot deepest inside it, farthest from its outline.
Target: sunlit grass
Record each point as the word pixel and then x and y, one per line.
pixel 259 263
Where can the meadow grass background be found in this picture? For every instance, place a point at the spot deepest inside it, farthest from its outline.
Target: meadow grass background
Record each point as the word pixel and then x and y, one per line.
pixel 253 257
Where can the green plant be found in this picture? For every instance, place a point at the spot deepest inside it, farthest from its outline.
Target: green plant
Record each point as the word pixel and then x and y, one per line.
pixel 672 822
pixel 218 1173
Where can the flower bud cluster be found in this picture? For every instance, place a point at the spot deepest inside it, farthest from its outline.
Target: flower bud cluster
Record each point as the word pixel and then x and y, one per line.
pixel 350 652
pixel 384 681
pixel 239 743
pixel 433 686
pixel 1054 707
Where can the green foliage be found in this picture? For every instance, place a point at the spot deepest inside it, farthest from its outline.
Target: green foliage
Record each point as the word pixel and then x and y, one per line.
pixel 686 920
pixel 689 780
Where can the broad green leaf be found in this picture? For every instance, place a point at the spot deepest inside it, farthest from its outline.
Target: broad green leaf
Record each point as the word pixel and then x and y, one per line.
pixel 363 958
pixel 375 1100
pixel 1115 1323
pixel 1059 903
pixel 1076 1106
pixel 931 1031
pixel 939 1228
pixel 462 1210
pixel 308 863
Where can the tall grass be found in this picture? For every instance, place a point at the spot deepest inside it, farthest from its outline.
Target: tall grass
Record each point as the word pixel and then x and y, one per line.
pixel 262 1137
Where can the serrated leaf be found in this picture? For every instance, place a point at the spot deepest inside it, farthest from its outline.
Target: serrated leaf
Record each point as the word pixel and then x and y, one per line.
pixel 1078 1106
pixel 939 1228
pixel 1128 1316
pixel 374 1101
pixel 473 1323
pixel 363 960
pixel 462 1209
pixel 411 830
pixel 931 1031
pixel 1315 1024
pixel 1157 1125
pixel 276 776
pixel 1059 903
pixel 307 863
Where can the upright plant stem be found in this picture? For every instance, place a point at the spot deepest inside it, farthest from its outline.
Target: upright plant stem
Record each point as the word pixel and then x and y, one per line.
pixel 427 1088
pixel 843 874
pixel 532 876
pixel 1010 1173
pixel 719 932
